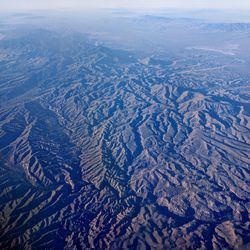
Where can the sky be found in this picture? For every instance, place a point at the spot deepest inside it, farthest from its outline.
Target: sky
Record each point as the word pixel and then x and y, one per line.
pixel 128 4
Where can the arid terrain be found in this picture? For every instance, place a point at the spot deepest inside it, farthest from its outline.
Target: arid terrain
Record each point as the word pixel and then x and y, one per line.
pixel 109 143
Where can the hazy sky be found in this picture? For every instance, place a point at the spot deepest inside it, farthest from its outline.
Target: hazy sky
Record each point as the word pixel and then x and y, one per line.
pixel 136 4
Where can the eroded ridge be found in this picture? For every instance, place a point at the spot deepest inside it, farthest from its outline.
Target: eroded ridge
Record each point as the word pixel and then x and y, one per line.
pixel 102 149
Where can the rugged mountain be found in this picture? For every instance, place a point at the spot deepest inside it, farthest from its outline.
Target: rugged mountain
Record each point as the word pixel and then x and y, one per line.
pixel 101 148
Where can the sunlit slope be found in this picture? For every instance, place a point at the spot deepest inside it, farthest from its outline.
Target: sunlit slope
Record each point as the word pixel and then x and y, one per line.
pixel 101 148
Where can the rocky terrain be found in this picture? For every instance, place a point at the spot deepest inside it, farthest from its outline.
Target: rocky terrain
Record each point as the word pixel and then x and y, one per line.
pixel 103 148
